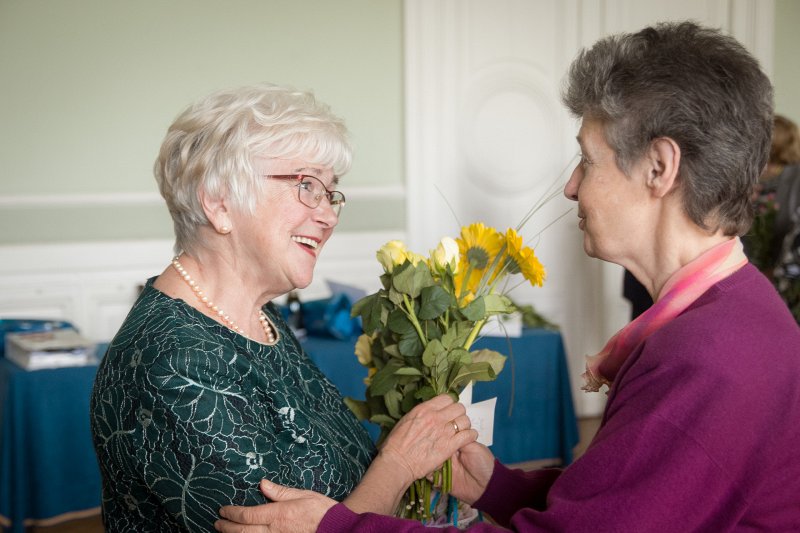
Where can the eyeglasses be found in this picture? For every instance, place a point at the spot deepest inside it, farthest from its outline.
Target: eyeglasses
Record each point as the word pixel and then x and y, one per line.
pixel 311 191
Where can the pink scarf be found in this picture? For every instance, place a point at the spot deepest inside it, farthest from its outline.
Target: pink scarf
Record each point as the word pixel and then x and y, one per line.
pixel 681 290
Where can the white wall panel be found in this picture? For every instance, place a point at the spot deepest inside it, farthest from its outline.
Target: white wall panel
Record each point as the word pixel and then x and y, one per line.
pixel 486 134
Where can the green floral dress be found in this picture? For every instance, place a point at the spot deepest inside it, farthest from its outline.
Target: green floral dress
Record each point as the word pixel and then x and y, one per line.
pixel 188 416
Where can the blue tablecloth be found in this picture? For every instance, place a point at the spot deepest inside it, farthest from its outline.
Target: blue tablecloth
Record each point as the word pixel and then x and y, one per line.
pixel 48 470
pixel 47 464
pixel 534 416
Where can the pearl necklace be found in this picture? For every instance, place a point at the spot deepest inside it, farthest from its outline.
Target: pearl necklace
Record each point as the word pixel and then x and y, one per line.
pixel 269 329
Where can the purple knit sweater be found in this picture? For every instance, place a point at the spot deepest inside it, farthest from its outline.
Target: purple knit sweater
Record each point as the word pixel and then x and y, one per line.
pixel 701 433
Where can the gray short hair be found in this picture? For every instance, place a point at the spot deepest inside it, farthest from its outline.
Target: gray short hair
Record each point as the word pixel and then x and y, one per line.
pixel 696 86
pixel 212 145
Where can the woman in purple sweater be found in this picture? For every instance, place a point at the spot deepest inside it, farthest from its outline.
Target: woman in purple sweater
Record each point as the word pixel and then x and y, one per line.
pixel 701 427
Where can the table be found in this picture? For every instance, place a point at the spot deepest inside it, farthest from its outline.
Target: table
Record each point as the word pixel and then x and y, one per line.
pixel 48 470
pixel 534 415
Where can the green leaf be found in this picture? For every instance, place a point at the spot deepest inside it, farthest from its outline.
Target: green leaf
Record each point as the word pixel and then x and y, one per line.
pixel 481 371
pixel 392 350
pixel 498 303
pixel 460 356
pixel 409 401
pixel 392 401
pixel 371 310
pixel 399 322
pixel 412 280
pixel 432 350
pixel 410 345
pixel 360 408
pixel 383 420
pixel 407 371
pixel 384 380
pixel 395 296
pixel 442 367
pixel 435 301
pixel 376 404
pixel 495 359
pixel 359 307
pixel 425 393
pixel 431 329
pixel 456 336
pixel 475 310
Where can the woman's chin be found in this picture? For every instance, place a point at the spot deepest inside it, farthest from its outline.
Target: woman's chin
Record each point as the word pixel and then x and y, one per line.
pixel 303 282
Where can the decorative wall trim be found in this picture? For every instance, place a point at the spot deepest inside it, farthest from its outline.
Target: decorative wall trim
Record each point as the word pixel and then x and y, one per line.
pixel 79 200
pixel 93 285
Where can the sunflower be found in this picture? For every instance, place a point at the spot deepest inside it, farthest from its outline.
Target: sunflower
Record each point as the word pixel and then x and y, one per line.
pixel 478 246
pixel 521 259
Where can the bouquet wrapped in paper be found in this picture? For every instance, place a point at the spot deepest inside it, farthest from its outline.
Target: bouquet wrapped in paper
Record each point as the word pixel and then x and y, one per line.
pixel 420 327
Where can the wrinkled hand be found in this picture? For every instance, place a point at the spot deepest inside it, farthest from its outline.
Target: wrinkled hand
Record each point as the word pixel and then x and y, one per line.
pixel 426 436
pixel 473 466
pixel 292 511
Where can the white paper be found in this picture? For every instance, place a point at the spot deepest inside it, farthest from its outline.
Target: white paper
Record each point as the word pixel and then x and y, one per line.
pixel 481 415
pixel 465 397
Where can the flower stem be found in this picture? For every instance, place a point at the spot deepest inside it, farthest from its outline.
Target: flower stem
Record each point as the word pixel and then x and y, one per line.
pixel 474 333
pixel 413 318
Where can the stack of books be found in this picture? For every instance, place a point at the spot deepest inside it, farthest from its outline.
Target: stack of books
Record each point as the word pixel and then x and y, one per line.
pixel 49 349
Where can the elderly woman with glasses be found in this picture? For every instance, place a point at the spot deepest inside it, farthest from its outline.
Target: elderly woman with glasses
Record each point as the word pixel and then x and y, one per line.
pixel 204 390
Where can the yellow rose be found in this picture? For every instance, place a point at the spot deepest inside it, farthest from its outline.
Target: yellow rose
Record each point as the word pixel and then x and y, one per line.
pixel 372 371
pixel 364 349
pixel 446 253
pixel 392 254
pixel 414 257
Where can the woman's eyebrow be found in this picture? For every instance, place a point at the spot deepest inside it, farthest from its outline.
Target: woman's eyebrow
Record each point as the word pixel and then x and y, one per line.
pixel 308 170
pixel 315 172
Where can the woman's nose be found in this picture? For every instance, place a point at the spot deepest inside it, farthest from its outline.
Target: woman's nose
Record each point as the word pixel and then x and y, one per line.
pixel 325 214
pixel 571 188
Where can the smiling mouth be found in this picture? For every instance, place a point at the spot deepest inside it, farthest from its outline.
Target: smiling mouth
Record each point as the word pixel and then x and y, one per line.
pixel 305 241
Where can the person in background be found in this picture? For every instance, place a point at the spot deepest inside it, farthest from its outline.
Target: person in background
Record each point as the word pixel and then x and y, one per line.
pixel 205 390
pixel 777 197
pixel 777 206
pixel 700 429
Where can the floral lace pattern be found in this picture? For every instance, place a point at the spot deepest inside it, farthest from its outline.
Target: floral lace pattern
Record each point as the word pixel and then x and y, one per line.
pixel 188 416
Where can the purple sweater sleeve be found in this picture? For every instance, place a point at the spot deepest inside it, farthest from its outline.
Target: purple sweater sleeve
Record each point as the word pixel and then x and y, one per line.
pixel 508 491
pixel 698 435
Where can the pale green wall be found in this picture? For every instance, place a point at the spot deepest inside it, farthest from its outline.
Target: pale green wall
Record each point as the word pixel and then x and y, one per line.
pixel 786 72
pixel 88 88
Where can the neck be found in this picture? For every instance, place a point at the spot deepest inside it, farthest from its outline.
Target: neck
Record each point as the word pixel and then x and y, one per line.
pixel 252 324
pixel 677 242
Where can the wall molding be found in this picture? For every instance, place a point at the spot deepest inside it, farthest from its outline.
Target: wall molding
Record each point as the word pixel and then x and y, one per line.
pixel 93 285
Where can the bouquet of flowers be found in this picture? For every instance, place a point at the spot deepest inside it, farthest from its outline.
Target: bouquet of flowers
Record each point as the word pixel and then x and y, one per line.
pixel 420 327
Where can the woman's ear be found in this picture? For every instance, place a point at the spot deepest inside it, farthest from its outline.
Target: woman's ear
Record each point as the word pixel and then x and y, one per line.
pixel 663 157
pixel 216 210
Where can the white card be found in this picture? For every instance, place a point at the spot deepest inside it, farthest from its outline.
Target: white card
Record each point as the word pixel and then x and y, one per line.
pixel 466 395
pixel 481 415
